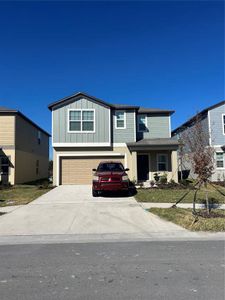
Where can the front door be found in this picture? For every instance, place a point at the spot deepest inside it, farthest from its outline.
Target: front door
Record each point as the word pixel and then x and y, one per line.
pixel 143 167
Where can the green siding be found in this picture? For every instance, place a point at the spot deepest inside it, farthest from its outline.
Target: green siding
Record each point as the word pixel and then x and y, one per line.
pixel 158 126
pixel 60 124
pixel 128 134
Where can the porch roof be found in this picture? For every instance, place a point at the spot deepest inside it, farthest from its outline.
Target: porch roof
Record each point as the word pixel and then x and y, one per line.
pixel 154 144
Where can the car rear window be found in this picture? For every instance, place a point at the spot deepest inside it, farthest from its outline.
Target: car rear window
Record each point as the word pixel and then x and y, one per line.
pixel 112 167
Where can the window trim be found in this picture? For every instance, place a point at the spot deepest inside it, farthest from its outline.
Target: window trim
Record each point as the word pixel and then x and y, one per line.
pixel 220 168
pixel 81 110
pixel 166 155
pixel 146 122
pixel 125 119
pixel 223 124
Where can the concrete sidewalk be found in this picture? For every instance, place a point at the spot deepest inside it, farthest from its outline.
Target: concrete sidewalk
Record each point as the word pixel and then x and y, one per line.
pixel 147 205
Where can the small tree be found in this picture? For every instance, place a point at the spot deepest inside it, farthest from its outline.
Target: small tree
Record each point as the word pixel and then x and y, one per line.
pixel 200 154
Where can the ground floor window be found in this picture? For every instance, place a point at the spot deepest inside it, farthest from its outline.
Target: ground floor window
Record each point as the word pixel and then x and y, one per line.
pixel 219 160
pixel 37 167
pixel 162 162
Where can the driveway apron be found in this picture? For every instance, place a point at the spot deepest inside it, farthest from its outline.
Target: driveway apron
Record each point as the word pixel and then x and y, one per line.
pixel 71 209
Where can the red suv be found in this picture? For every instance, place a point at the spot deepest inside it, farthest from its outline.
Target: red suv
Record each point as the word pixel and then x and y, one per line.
pixel 110 176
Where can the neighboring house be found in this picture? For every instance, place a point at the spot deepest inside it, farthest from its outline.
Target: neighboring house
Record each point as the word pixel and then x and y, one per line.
pixel 213 123
pixel 87 130
pixel 24 148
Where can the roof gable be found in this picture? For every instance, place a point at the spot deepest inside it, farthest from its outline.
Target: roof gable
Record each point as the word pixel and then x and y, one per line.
pixel 74 97
pixel 8 111
pixel 202 114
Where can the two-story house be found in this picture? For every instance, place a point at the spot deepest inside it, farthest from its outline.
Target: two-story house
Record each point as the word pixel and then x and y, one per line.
pixel 24 148
pixel 87 130
pixel 213 124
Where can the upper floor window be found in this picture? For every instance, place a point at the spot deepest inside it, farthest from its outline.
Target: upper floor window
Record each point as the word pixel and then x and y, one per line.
pixel 120 120
pixel 223 121
pixel 142 123
pixel 81 120
pixel 39 137
pixel 219 160
pixel 162 162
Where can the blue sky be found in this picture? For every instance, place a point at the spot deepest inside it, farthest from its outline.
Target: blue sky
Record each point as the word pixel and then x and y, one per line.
pixel 166 54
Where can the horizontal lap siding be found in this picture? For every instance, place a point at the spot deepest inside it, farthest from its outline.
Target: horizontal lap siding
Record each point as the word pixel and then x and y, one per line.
pixel 60 123
pixel 158 127
pixel 7 131
pixel 79 170
pixel 216 124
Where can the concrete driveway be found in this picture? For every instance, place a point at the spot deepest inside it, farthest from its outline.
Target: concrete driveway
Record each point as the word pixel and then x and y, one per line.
pixel 72 210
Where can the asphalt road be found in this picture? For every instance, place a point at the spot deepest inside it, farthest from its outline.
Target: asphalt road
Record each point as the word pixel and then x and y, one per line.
pixel 101 271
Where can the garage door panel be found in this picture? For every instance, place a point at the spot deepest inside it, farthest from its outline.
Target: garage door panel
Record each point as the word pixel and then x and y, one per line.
pixel 78 170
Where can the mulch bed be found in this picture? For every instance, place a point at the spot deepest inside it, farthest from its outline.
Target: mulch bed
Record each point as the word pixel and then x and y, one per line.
pixel 212 214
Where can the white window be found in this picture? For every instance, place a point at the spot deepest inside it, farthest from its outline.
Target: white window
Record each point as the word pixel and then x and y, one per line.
pixel 120 119
pixel 223 123
pixel 142 123
pixel 81 120
pixel 219 160
pixel 162 162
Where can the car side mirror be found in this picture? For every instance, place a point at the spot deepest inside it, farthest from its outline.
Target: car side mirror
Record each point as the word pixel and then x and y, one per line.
pixel 127 169
pixel 94 170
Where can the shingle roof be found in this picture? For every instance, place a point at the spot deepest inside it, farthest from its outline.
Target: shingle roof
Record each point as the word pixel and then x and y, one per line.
pixel 201 113
pixel 154 110
pixel 107 104
pixel 155 142
pixel 6 110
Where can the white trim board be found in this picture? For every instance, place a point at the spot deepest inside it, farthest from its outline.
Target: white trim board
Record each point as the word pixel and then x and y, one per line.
pixel 223 124
pixel 210 132
pixel 81 144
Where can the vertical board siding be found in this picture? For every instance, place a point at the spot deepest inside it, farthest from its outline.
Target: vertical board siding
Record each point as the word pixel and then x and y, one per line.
pixel 60 124
pixel 216 124
pixel 158 127
pixel 124 135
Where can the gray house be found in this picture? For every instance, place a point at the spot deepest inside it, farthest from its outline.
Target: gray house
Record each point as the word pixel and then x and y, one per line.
pixel 87 130
pixel 213 121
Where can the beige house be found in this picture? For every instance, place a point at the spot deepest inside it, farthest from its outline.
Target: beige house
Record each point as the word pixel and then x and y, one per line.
pixel 24 148
pixel 87 130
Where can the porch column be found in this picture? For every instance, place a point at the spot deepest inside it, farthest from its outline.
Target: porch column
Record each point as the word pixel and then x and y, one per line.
pixel 134 165
pixel 174 165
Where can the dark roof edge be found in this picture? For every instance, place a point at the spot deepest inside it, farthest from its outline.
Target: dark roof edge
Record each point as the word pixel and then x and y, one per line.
pixel 157 111
pixel 63 100
pixel 114 106
pixel 17 112
pixel 201 113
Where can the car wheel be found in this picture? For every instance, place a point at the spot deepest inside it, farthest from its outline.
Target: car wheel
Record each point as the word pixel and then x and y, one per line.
pixel 94 193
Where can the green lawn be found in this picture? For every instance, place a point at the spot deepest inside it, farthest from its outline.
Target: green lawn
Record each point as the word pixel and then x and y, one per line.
pixel 21 194
pixel 172 195
pixel 184 218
